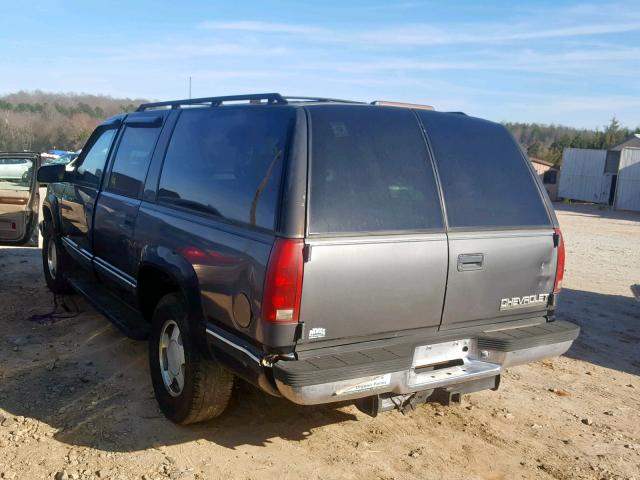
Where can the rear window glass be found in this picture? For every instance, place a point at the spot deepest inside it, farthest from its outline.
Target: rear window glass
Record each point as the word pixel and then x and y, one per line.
pixel 227 162
pixel 370 172
pixel 485 180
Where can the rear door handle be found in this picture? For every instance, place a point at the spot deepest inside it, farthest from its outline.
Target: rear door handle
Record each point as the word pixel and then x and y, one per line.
pixel 470 261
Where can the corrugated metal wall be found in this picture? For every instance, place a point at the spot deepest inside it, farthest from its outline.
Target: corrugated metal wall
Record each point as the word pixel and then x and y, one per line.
pixel 628 188
pixel 582 175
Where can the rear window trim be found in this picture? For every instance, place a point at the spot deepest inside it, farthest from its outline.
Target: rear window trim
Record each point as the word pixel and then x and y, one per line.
pixel 319 235
pixel 500 229
pixel 376 233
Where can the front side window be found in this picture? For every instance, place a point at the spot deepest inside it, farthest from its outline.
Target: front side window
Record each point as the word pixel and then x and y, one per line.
pixel 132 161
pixel 486 181
pixel 227 162
pixel 370 172
pixel 90 170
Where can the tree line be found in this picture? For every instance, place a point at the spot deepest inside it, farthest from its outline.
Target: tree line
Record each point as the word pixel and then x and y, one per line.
pixel 547 142
pixel 40 121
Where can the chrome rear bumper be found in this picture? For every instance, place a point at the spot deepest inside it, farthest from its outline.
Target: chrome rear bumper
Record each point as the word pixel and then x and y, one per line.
pixel 427 367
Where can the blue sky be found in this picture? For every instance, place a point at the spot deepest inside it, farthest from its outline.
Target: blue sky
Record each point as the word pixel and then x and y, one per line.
pixel 570 63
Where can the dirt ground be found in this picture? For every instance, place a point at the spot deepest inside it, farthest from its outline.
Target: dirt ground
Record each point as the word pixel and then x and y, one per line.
pixel 76 400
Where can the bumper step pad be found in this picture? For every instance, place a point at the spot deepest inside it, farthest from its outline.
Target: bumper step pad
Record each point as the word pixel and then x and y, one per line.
pixel 529 337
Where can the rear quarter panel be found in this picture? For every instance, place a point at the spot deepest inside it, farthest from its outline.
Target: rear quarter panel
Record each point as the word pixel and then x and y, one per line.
pixel 229 262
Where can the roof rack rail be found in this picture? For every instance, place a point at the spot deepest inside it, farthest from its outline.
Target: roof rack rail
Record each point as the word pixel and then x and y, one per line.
pixel 388 103
pixel 271 98
pixel 320 99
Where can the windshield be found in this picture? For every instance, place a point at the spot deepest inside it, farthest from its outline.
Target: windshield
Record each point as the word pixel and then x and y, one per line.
pixel 64 159
pixel 15 173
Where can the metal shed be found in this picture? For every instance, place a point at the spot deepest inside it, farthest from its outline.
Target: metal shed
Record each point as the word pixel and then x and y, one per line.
pixel 548 173
pixel 584 177
pixel 628 186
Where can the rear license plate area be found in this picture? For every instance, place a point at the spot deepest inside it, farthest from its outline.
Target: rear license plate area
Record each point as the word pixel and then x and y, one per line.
pixel 439 361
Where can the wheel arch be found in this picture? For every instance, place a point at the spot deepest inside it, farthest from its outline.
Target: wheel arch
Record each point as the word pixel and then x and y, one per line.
pixel 51 211
pixel 162 271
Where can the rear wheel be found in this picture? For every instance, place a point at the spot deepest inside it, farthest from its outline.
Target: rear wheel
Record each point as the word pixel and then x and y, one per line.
pixel 189 387
pixel 54 261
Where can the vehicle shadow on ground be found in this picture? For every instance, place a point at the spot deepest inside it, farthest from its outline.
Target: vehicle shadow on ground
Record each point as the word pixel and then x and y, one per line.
pixel 88 385
pixel 610 328
pixel 118 420
pixel 109 404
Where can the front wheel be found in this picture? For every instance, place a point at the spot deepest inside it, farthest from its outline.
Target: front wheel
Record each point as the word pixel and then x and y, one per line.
pixel 189 388
pixel 54 261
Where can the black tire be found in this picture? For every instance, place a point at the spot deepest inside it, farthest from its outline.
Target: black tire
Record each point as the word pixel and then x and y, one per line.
pixel 55 278
pixel 206 386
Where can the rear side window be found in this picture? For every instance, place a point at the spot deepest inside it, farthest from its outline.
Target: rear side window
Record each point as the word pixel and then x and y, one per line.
pixel 485 180
pixel 132 161
pixel 228 162
pixel 370 172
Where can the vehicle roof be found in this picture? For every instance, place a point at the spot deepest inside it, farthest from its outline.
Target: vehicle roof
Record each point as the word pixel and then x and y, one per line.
pixel 266 99
pixel 276 99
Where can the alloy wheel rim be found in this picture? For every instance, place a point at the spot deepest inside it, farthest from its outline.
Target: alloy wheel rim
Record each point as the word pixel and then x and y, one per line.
pixel 52 259
pixel 172 362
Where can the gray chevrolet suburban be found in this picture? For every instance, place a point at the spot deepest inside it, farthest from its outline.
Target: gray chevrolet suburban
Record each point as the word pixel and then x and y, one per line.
pixel 322 250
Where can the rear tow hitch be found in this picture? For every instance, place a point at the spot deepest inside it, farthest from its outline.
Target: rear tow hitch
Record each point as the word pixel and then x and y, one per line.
pixel 385 402
pixel 451 395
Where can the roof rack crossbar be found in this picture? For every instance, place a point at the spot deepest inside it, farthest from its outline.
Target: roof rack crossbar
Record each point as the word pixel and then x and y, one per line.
pixel 271 98
pixel 320 99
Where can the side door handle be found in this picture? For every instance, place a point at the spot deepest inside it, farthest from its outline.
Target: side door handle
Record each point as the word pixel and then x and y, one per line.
pixel 129 220
pixel 470 261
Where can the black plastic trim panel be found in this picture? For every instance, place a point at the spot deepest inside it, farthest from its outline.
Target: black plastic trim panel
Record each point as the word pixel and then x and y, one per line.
pixel 528 337
pixel 333 368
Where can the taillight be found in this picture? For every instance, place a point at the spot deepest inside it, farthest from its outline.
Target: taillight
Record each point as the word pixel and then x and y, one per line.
pixel 283 282
pixel 560 267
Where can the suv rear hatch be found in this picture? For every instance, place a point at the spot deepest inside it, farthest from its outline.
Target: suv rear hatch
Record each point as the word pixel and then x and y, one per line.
pixel 385 260
pixel 502 256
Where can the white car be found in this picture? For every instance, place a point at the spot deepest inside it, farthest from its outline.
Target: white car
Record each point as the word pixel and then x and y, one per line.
pixel 14 168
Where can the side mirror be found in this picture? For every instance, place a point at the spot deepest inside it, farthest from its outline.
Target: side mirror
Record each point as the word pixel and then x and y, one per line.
pixel 51 174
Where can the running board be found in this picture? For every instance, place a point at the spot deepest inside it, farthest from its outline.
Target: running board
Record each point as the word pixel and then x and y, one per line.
pixel 128 320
